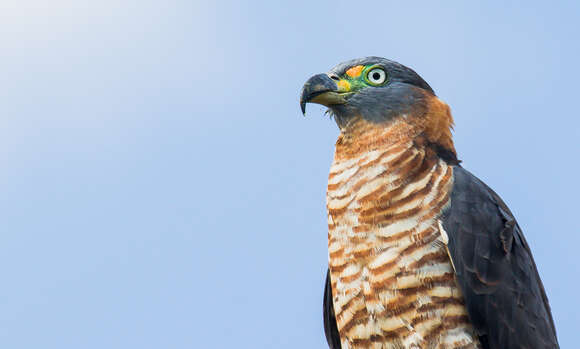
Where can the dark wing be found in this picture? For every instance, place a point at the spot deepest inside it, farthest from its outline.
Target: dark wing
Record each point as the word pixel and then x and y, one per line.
pixel 503 292
pixel 330 327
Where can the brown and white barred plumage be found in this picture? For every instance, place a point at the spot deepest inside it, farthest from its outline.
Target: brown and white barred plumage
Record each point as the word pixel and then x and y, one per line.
pixel 422 254
pixel 393 283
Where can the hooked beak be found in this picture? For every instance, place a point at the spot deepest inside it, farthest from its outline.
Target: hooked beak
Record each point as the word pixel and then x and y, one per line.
pixel 322 90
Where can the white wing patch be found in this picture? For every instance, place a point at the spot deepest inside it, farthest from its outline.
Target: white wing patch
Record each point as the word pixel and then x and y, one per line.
pixel 444 238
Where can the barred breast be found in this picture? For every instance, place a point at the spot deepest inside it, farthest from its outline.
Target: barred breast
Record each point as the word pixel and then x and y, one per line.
pixel 393 282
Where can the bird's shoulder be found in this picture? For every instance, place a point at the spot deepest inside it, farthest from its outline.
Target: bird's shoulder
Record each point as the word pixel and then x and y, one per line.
pixel 503 293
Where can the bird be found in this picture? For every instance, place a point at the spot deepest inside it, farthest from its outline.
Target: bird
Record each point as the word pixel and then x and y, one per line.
pixel 421 253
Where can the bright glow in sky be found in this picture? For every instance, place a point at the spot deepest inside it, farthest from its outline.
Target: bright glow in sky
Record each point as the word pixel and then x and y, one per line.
pixel 159 187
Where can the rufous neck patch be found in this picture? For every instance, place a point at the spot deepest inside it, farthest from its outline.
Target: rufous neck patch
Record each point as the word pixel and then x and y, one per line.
pixel 355 71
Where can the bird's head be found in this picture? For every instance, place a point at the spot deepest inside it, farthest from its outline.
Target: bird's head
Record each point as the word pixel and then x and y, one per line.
pixel 381 91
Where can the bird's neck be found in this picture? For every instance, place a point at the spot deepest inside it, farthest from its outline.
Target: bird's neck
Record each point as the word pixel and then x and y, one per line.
pixel 428 130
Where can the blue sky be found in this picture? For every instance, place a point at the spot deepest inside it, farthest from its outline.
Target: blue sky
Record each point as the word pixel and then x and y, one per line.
pixel 160 188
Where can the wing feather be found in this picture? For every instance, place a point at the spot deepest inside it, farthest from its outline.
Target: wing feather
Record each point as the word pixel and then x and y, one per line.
pixel 330 327
pixel 503 293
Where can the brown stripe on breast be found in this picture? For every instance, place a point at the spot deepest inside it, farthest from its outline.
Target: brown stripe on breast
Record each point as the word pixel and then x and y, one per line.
pixel 393 284
pixel 360 316
pixel 438 305
pixel 430 258
pixel 336 254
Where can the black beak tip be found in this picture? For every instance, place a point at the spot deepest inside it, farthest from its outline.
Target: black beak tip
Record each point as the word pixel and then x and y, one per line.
pixel 314 86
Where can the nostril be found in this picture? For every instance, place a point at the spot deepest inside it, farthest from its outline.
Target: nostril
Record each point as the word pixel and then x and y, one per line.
pixel 334 77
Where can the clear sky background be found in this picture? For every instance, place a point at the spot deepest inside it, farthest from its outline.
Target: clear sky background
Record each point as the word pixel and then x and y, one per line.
pixel 159 187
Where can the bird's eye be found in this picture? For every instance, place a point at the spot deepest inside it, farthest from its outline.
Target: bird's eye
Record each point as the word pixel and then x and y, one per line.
pixel 376 76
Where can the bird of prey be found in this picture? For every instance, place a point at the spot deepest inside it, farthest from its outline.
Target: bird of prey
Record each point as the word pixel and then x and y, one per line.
pixel 421 253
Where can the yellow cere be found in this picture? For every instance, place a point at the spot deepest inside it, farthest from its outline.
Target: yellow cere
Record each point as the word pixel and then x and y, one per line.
pixel 343 86
pixel 355 71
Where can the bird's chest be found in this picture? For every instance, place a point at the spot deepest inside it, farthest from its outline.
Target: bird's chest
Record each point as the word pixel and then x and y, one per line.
pixel 392 280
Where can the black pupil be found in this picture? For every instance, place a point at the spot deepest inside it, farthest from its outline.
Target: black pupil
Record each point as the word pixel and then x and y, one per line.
pixel 376 76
